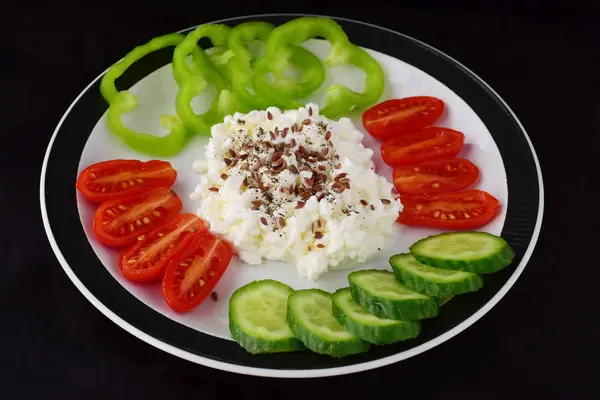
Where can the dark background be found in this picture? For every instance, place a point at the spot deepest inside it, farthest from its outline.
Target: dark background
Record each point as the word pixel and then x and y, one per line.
pixel 540 340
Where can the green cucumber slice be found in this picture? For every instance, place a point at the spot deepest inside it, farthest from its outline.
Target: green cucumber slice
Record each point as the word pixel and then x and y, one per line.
pixel 257 318
pixel 432 281
pixel 367 326
pixel 443 300
pixel 477 252
pixel 310 317
pixel 379 293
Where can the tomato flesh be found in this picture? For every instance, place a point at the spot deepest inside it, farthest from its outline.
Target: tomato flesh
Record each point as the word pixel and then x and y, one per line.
pixel 193 273
pixel 457 210
pixel 119 222
pixel 146 260
pixel 393 117
pixel 113 179
pixel 436 176
pixel 431 143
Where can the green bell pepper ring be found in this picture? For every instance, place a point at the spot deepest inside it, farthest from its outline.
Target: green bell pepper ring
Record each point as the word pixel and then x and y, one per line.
pixel 192 83
pixel 339 98
pixel 284 90
pixel 121 102
pixel 239 66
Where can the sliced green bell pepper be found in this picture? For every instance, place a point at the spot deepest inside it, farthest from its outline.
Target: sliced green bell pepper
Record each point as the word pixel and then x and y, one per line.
pixel 247 72
pixel 193 82
pixel 339 98
pixel 121 102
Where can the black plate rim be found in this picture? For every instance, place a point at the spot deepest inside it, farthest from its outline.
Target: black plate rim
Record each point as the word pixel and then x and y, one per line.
pixel 301 373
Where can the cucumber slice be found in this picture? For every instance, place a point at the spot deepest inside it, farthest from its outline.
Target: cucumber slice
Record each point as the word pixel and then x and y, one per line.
pixel 432 281
pixel 477 252
pixel 310 317
pixel 443 300
pixel 367 326
pixel 257 318
pixel 379 293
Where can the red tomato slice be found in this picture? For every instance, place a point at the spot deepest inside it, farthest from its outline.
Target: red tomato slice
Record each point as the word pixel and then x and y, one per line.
pixel 431 143
pixel 193 273
pixel 119 223
pixel 459 210
pixel 436 176
pixel 146 260
pixel 113 179
pixel 392 117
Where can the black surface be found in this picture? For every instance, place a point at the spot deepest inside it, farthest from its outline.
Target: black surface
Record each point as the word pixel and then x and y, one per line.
pixel 63 215
pixel 541 339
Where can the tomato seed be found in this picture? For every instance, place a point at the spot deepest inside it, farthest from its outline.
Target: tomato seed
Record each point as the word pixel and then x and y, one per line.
pixel 146 220
pixel 122 207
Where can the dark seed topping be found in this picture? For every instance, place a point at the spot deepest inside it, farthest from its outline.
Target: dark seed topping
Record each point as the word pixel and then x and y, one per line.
pixel 320 245
pixel 372 207
pixel 281 222
pixel 385 201
pixel 269 116
pixel 363 202
pixel 214 296
pixel 232 153
pixel 224 176
pixel 263 220
pixel 310 111
pixel 284 132
pixel 213 189
pixel 293 169
pixel 227 161
pixel 306 122
pixel 318 235
pixel 327 135
pixel 300 204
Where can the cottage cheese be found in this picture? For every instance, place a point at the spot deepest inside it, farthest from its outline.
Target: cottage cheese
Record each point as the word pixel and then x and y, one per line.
pixel 297 187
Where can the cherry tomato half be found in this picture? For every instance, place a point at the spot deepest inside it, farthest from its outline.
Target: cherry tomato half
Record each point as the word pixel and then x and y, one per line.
pixel 436 176
pixel 146 260
pixel 113 179
pixel 393 117
pixel 193 273
pixel 119 222
pixel 457 210
pixel 431 143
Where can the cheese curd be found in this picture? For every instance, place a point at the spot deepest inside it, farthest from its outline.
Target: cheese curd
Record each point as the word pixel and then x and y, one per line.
pixel 296 187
